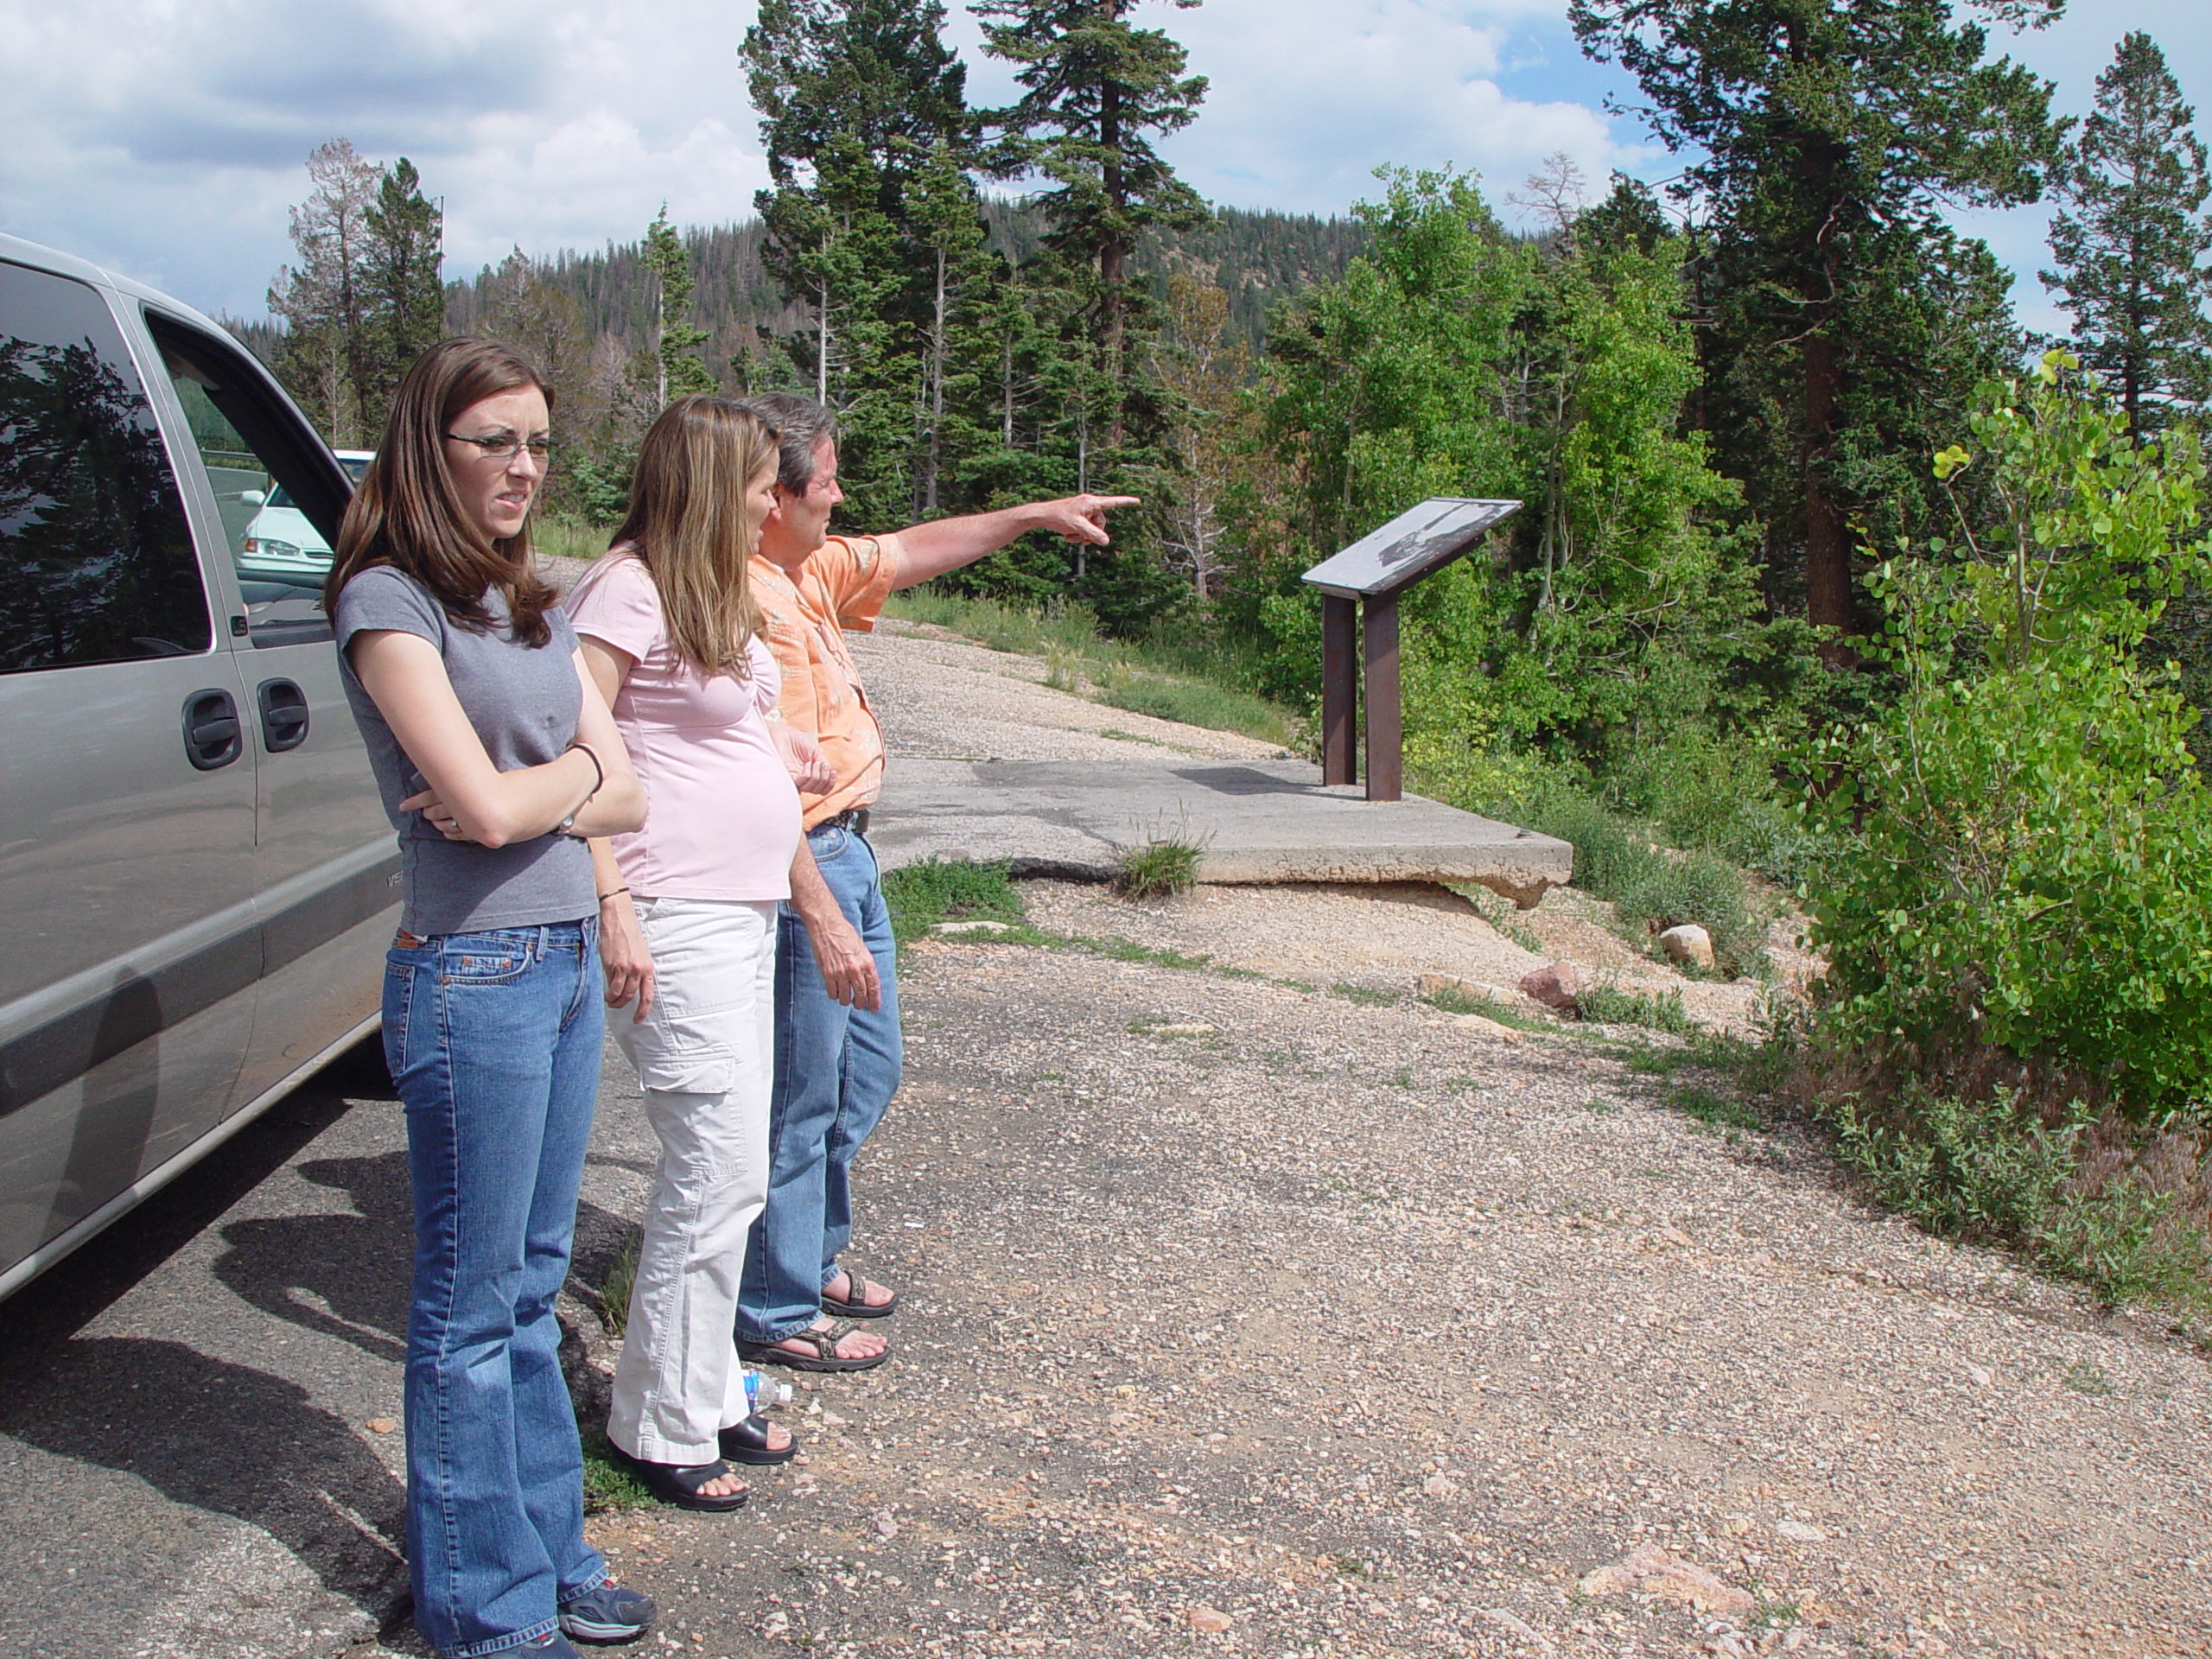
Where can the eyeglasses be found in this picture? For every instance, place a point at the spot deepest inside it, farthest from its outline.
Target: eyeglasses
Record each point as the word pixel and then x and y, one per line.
pixel 504 448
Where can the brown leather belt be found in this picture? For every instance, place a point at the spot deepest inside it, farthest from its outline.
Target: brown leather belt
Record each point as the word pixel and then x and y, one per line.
pixel 854 818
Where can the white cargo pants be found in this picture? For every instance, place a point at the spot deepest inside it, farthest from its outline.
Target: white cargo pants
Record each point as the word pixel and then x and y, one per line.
pixel 704 1057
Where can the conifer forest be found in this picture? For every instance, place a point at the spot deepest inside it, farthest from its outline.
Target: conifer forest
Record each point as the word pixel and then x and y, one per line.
pixel 1834 588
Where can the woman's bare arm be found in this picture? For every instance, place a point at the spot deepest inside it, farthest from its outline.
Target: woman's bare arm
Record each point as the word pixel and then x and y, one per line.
pixel 405 677
pixel 622 951
pixel 619 804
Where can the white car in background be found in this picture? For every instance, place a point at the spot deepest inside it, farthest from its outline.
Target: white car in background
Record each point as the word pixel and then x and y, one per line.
pixel 280 544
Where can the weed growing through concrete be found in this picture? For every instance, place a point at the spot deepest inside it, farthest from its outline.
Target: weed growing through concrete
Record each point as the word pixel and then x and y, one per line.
pixel 1159 869
pixel 1164 863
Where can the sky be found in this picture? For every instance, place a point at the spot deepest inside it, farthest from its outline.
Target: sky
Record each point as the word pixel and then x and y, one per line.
pixel 165 139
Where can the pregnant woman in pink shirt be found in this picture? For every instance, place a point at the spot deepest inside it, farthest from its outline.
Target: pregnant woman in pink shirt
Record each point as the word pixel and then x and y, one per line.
pixel 687 917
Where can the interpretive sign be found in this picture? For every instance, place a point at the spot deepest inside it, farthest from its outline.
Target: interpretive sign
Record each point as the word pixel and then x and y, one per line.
pixel 1416 542
pixel 1368 575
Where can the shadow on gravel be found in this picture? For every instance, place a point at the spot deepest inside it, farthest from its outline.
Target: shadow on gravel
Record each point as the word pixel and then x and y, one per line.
pixel 233 1441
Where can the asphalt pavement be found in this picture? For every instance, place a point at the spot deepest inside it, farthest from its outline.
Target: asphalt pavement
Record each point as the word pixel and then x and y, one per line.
pixel 200 1454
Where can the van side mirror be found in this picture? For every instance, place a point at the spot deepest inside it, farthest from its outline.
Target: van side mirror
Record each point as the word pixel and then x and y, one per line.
pixel 253 498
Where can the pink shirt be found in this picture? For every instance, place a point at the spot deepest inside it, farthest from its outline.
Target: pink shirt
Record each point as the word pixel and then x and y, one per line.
pixel 721 813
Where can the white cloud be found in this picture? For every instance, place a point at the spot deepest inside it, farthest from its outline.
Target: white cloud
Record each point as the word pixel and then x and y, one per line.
pixel 166 137
pixel 1308 97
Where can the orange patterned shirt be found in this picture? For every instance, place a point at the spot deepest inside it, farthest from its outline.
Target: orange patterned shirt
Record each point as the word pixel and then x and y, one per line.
pixel 842 585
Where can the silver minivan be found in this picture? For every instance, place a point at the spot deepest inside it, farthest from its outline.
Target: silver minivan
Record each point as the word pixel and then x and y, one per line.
pixel 195 876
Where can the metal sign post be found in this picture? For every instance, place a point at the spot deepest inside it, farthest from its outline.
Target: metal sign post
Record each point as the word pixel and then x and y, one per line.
pixel 1370 573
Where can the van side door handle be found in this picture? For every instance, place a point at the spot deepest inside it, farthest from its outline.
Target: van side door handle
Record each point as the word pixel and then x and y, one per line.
pixel 283 716
pixel 211 730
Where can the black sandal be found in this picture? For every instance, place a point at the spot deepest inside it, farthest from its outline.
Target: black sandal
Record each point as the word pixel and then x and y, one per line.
pixel 858 1282
pixel 747 1442
pixel 679 1483
pixel 822 1338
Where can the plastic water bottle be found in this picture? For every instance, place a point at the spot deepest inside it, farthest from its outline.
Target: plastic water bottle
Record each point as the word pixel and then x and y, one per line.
pixel 761 1391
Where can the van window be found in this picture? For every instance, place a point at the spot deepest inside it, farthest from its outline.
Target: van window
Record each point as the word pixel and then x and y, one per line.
pixel 96 559
pixel 250 450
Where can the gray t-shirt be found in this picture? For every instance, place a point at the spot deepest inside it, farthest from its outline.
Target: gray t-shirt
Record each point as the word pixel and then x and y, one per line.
pixel 524 702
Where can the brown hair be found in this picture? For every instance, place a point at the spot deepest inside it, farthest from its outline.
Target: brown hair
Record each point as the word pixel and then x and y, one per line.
pixel 691 527
pixel 801 425
pixel 406 513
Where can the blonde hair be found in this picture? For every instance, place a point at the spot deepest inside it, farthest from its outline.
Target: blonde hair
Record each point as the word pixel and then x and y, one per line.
pixel 690 526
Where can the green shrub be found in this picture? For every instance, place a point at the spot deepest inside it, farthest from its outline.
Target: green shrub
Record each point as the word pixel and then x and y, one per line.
pixel 1990 1173
pixel 2018 854
pixel 1999 1172
pixel 2025 860
pixel 2127 1244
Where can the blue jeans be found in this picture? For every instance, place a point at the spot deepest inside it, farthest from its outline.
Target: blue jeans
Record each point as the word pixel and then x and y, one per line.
pixel 493 1040
pixel 836 1069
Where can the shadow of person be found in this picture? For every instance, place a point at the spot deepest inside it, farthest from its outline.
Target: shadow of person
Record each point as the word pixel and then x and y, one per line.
pixel 348 1276
pixel 340 1276
pixel 230 1440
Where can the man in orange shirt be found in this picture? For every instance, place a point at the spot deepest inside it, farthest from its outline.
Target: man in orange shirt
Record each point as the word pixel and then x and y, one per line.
pixel 837 1047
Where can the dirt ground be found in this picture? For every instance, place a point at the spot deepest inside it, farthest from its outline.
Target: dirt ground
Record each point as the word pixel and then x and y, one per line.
pixel 1270 1318
pixel 1265 1317
pixel 1373 1336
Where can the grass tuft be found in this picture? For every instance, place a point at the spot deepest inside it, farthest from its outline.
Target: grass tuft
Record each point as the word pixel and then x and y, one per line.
pixel 946 890
pixel 1714 1111
pixel 1159 869
pixel 1365 996
pixel 1609 1005
pixel 607 1486
pixel 613 1292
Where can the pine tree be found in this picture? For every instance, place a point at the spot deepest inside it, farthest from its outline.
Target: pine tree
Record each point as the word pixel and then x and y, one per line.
pixel 328 356
pixel 874 221
pixel 1098 88
pixel 407 299
pixel 678 371
pixel 2130 243
pixel 1827 138
pixel 960 269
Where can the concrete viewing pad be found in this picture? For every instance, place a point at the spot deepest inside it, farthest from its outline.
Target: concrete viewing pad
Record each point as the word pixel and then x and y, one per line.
pixel 1258 821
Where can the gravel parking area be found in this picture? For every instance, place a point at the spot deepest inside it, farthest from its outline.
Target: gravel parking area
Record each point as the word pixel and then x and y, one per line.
pixel 1257 1320
pixel 1266 1319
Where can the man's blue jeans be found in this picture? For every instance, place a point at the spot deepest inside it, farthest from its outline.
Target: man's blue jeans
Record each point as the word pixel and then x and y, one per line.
pixel 836 1069
pixel 494 1039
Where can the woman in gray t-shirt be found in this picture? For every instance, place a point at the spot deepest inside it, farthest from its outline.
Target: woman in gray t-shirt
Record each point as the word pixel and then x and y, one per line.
pixel 495 753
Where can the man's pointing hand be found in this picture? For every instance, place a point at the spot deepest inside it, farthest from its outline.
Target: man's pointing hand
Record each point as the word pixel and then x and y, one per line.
pixel 1080 518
